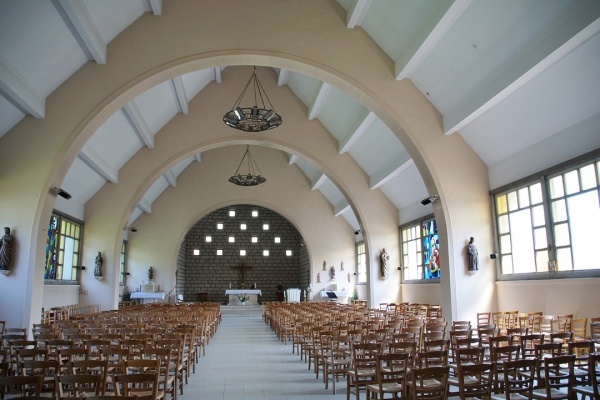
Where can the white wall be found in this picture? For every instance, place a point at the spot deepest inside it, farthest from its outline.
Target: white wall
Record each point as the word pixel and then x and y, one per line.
pixel 426 293
pixel 60 296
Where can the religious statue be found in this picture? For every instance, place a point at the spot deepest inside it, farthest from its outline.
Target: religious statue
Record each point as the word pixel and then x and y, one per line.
pixel 385 259
pixel 150 273
pixel 332 273
pixel 348 277
pixel 98 265
pixel 319 277
pixel 324 266
pixel 473 255
pixel 341 266
pixel 6 244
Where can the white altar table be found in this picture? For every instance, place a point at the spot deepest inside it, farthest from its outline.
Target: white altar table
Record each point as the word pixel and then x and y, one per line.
pixel 143 296
pixel 292 295
pixel 251 293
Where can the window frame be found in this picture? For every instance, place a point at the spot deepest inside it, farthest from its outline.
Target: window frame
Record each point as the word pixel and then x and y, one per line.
pixel 544 177
pixel 418 223
pixel 123 263
pixel 359 273
pixel 75 269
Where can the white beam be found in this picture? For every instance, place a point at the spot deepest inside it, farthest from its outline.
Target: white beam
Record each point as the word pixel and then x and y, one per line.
pixel 145 206
pixel 198 157
pixel 180 96
pixel 16 90
pixel 293 159
pixel 217 74
pixel 341 207
pixel 496 92
pixel 98 164
pixel 357 13
pixel 412 59
pixel 353 136
pixel 82 27
pixel 133 114
pixel 171 178
pixel 155 6
pixel 390 171
pixel 314 185
pixel 319 100
pixel 282 79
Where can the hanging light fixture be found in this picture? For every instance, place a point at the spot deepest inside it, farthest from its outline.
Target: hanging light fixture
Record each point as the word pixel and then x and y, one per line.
pixel 256 118
pixel 250 178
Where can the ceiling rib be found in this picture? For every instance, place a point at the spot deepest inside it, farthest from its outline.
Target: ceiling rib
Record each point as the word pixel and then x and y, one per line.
pixel 155 6
pixel 171 178
pixel 389 172
pixel 319 100
pixel 282 79
pixel 341 207
pixel 406 65
pixel 98 164
pixel 145 206
pixel 466 113
pixel 217 74
pixel 134 116
pixel 198 157
pixel 179 90
pixel 293 159
pixel 83 29
pixel 357 13
pixel 320 181
pixel 358 131
pixel 16 90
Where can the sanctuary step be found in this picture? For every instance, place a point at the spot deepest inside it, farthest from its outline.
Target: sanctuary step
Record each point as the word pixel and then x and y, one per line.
pixel 247 309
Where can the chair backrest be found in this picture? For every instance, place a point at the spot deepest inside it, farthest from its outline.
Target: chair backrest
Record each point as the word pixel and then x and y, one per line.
pixel 432 358
pixel 519 377
pixel 579 328
pixel 528 343
pixel 594 370
pixel 137 385
pixel 558 374
pixel 75 386
pixel 546 350
pixel 391 368
pixel 472 355
pixel 25 385
pixel 581 350
pixel 430 383
pixel 475 380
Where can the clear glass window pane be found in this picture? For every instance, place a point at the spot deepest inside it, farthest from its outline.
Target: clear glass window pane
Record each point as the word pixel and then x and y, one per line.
pixel 561 235
pixel 522 241
pixel 588 177
pixel 242 253
pixel 563 259
pixel 255 213
pixel 231 239
pixel 243 227
pixel 219 252
pixel 254 239
pixel 265 253
pixel 501 205
pixel 232 213
pixel 503 225
pixel 208 239
pixel 541 259
pixel 196 252
pixel 513 203
pixel 584 220
pixel 559 210
pixel 417 233
pixel 288 253
pixel 541 240
pixel 535 193
pixel 265 227
pixel 505 247
pixel 524 197
pixel 404 235
pixel 220 226
pixel 556 187
pixel 539 219
pixel 507 264
pixel 572 182
pixel 277 239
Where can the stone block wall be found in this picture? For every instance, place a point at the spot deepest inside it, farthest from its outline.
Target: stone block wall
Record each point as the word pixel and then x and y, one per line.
pixel 212 274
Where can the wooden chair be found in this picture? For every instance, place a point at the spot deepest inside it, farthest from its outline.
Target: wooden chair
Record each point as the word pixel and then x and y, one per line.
pixel 138 385
pixel 557 380
pixel 593 389
pixel 430 383
pixel 528 343
pixel 176 369
pixel 166 382
pixel 92 367
pixel 362 367
pixel 499 355
pixel 337 361
pixel 466 356
pixel 483 318
pixel 23 385
pixel 390 376
pixel 75 386
pixel 48 370
pixel 581 350
pixel 579 329
pixel 518 380
pixel 475 380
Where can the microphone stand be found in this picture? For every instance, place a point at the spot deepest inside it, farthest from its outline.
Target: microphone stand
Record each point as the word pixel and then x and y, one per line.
pixel 171 291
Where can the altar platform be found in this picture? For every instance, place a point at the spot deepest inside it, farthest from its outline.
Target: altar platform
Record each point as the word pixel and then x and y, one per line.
pixel 235 294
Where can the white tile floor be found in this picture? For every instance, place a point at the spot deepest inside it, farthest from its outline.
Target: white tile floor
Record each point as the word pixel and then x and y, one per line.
pixel 244 360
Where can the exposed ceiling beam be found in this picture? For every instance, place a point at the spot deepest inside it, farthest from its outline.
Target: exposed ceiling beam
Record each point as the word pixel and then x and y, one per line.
pixel 341 207
pixel 133 114
pixel 497 90
pixel 16 90
pixel 293 159
pixel 145 206
pixel 319 100
pixel 180 96
pixel 390 171
pixel 357 12
pixel 217 74
pixel 406 65
pixel 358 131
pixel 314 185
pixel 98 164
pixel 282 79
pixel 198 157
pixel 171 178
pixel 155 6
pixel 82 27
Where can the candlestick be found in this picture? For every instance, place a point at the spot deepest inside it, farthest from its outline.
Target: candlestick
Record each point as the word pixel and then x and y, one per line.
pixel 229 285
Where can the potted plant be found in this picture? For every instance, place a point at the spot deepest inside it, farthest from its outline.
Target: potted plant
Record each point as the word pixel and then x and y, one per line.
pixel 243 298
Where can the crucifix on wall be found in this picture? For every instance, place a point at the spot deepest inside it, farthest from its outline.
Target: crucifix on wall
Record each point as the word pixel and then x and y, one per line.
pixel 242 267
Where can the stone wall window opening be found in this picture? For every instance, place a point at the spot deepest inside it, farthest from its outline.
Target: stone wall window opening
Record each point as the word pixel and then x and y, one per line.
pixel 63 248
pixel 123 264
pixel 208 239
pixel 219 252
pixel 361 264
pixel 266 253
pixel 254 239
pixel 277 239
pixel 196 252
pixel 231 239
pixel 265 227
pixel 220 226
pixel 243 227
pixel 254 213
pixel 232 213
pixel 288 253
pixel 242 253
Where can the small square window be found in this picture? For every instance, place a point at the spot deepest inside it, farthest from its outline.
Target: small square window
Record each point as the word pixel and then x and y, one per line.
pixel 196 252
pixel 254 239
pixel 242 253
pixel 219 252
pixel 254 213
pixel 288 253
pixel 277 239
pixel 232 213
pixel 243 227
pixel 265 227
pixel 220 226
pixel 231 239
pixel 208 239
pixel 266 253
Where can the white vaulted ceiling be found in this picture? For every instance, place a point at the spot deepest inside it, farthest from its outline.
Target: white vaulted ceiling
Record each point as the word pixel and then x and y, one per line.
pixel 518 80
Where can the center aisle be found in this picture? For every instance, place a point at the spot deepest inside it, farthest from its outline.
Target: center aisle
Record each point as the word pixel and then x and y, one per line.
pixel 244 360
